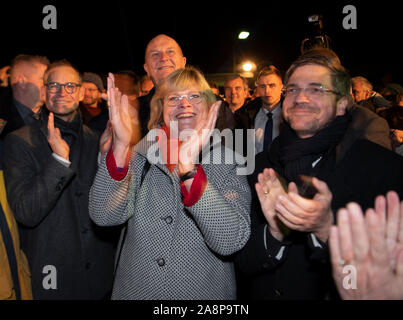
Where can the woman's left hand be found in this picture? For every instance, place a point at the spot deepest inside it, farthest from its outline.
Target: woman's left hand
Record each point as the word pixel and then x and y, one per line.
pixel 196 140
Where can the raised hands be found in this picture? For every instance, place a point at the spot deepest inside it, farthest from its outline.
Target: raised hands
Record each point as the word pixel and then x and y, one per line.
pixel 307 215
pixel 123 119
pixel 268 189
pixel 373 246
pixel 58 145
pixel 197 139
pixel 105 140
pixel 289 210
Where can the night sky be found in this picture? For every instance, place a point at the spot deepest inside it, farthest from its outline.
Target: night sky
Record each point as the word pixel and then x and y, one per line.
pixel 101 37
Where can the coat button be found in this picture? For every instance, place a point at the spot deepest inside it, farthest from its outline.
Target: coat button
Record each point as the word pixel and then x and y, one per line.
pixel 169 219
pixel 88 265
pixel 161 262
pixel 59 186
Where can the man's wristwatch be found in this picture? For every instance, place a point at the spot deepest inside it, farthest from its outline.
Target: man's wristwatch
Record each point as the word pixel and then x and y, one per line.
pixel 188 175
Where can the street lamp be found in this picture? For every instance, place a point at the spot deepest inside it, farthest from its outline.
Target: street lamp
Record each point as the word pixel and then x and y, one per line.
pixel 248 68
pixel 243 35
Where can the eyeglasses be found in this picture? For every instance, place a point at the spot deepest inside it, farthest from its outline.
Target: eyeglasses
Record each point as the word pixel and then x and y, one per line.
pixel 174 100
pixel 70 87
pixel 310 92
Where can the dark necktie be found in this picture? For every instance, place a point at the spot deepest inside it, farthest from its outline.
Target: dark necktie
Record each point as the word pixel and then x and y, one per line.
pixel 268 131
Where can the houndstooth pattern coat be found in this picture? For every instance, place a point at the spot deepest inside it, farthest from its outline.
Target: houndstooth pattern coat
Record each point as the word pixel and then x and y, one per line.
pixel 172 251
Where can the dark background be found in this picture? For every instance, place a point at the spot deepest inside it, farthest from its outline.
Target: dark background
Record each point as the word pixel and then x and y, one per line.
pixel 111 36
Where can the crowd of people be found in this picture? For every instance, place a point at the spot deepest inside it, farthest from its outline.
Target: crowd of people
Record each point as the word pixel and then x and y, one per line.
pixel 125 188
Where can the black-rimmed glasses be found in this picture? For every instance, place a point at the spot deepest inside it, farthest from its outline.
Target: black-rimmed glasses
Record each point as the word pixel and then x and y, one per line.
pixel 70 87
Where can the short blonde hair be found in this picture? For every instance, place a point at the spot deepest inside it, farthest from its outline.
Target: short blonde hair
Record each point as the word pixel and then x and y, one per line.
pixel 179 80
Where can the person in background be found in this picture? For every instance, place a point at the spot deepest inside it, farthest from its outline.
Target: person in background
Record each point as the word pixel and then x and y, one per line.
pixel 163 55
pixel 146 84
pixel 364 95
pixel 93 108
pixel 264 112
pixel 236 92
pixel 394 117
pixel 23 104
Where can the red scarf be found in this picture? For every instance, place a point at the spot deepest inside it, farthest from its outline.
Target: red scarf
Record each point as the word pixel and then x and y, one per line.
pixel 167 148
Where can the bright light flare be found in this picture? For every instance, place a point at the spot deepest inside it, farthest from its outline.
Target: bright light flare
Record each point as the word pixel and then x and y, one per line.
pixel 247 66
pixel 243 35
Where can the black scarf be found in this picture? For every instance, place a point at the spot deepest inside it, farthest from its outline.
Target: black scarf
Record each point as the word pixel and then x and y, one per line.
pixel 69 130
pixel 294 156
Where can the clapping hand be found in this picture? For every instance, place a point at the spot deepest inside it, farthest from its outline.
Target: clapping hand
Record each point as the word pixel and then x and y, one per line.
pixel 268 189
pixel 58 145
pixel 195 142
pixel 105 140
pixel 120 116
pixel 307 215
pixel 373 246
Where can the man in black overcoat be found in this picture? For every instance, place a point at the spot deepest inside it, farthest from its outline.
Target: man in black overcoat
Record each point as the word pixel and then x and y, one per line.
pixel 321 161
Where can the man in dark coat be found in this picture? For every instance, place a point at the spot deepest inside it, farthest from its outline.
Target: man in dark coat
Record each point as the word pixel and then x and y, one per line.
pixel 323 137
pixel 49 169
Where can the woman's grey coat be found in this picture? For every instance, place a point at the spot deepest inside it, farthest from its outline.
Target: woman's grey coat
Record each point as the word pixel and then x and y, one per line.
pixel 172 251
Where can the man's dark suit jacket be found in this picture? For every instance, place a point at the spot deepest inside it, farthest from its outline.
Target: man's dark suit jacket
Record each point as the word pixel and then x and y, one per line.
pixel 9 112
pixel 144 111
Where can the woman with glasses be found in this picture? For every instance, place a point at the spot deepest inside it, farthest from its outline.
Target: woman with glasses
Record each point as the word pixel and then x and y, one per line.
pixel 186 209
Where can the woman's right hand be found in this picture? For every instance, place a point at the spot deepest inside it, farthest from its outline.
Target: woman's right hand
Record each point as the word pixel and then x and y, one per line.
pixel 122 123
